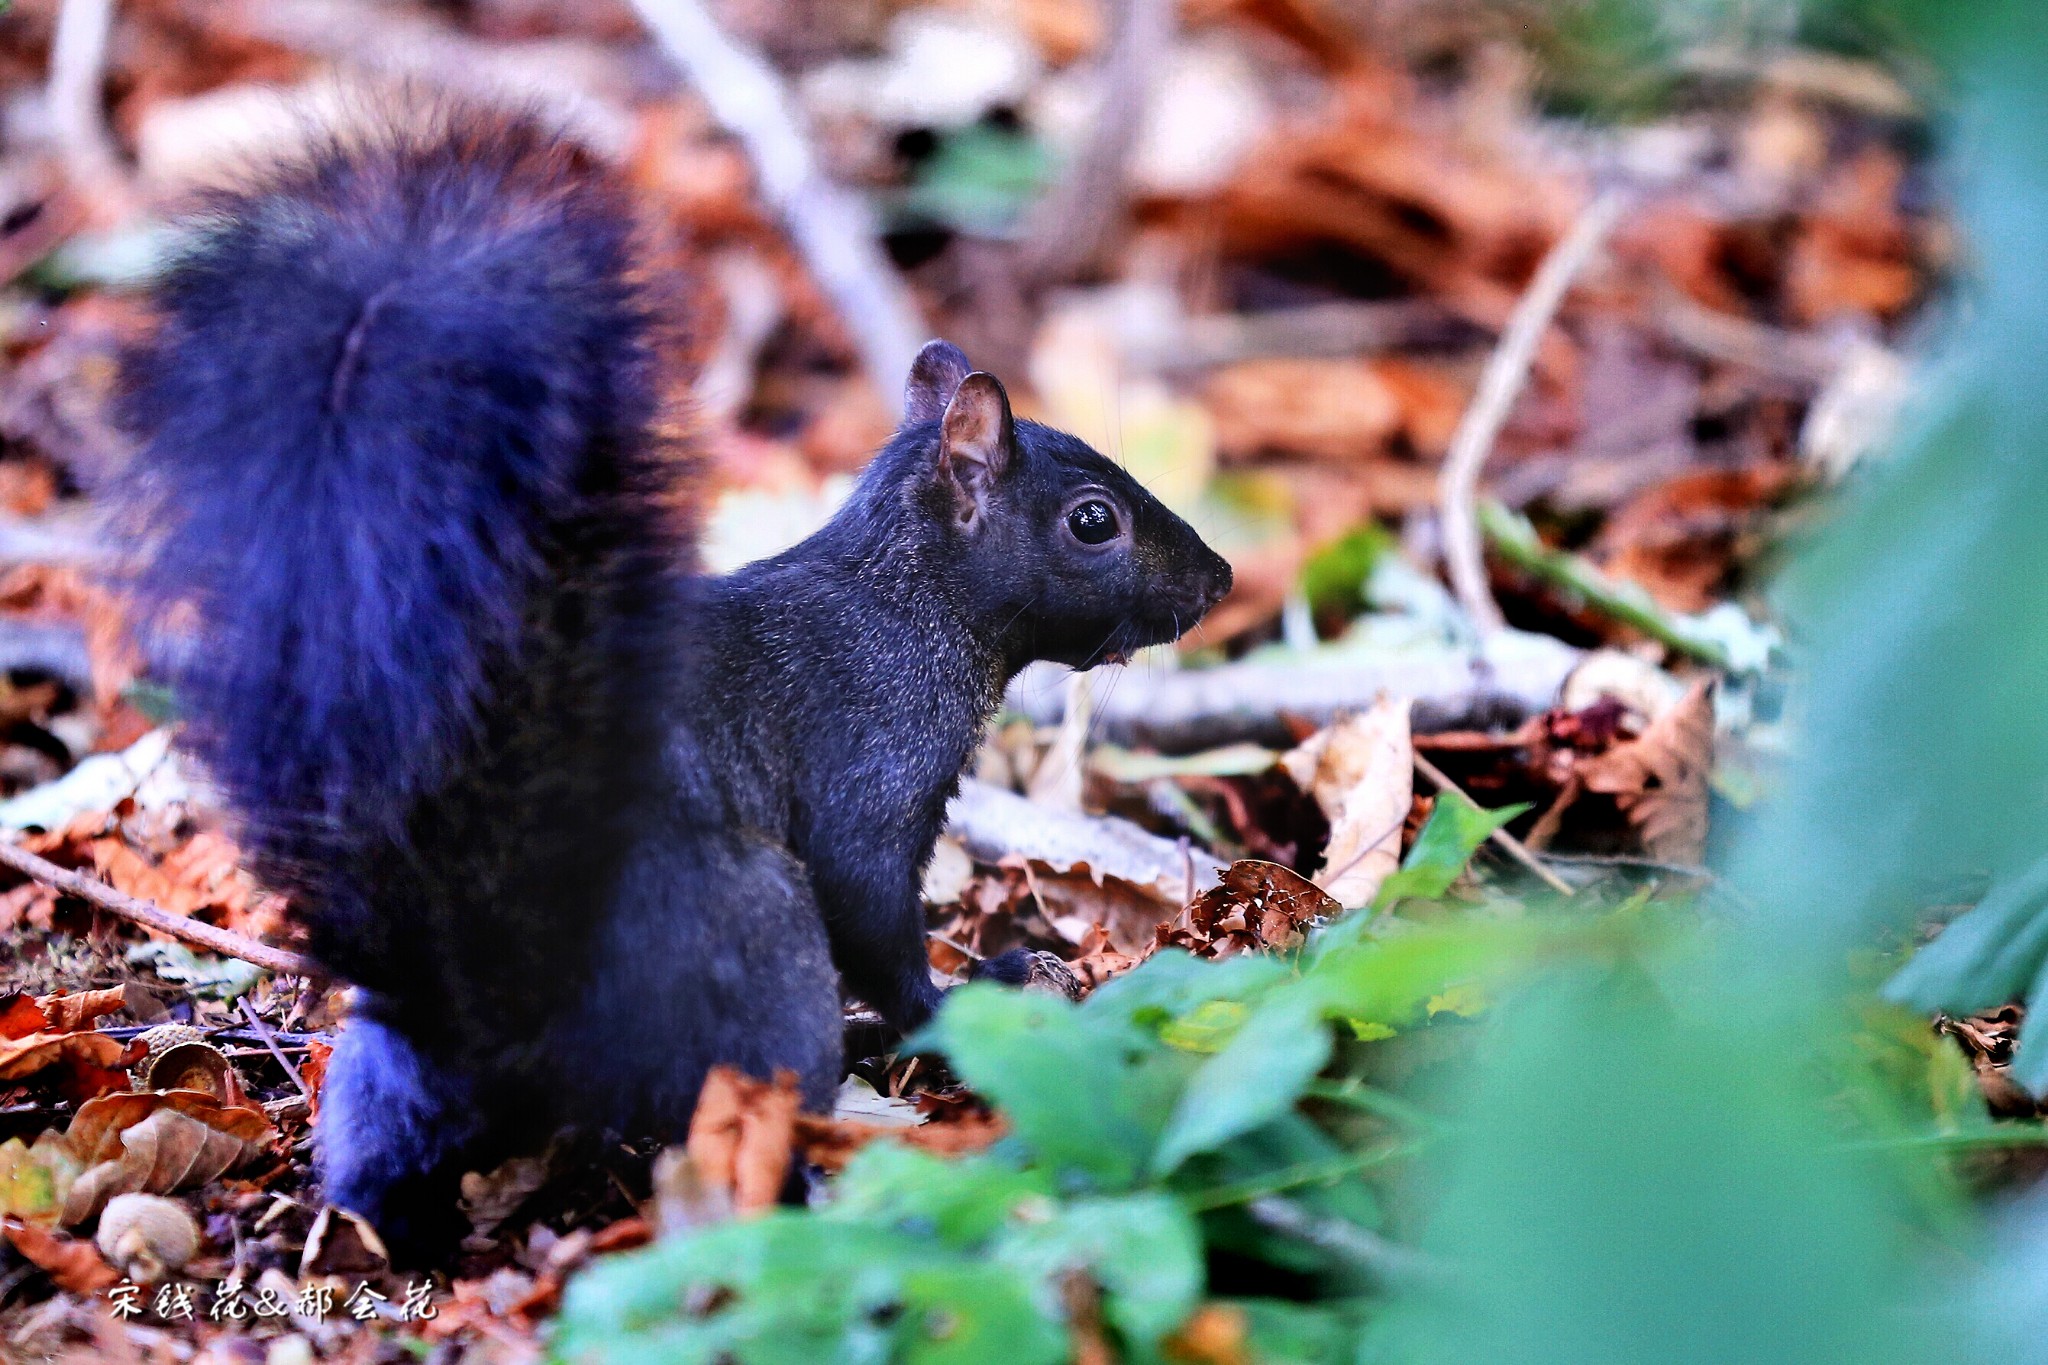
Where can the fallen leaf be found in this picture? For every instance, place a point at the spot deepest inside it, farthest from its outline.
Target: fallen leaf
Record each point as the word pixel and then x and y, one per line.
pixel 68 1012
pixel 830 1143
pixel 1361 771
pixel 1659 779
pixel 20 1016
pixel 490 1197
pixel 76 1266
pixel 25 1056
pixel 1257 906
pixel 156 1143
pixel 741 1135
pixel 34 1178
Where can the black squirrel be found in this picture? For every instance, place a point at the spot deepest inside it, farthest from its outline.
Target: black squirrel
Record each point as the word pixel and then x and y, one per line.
pixel 578 821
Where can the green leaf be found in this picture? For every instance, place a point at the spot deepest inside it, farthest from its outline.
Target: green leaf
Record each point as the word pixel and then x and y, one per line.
pixel 1144 1250
pixel 1389 976
pixel 979 180
pixel 962 1201
pixel 1986 957
pixel 1334 577
pixel 1284 1333
pixel 967 1314
pixel 1086 1089
pixel 1455 830
pixel 1258 1075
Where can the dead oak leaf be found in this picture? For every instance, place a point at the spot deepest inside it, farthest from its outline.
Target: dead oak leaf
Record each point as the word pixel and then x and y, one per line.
pixel 1361 771
pixel 76 1266
pixel 1257 906
pixel 34 1052
pixel 68 1011
pixel 1659 779
pixel 741 1135
pixel 20 1016
pixel 155 1143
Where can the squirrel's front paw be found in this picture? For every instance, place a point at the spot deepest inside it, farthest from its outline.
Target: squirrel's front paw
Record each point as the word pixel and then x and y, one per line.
pixel 1030 970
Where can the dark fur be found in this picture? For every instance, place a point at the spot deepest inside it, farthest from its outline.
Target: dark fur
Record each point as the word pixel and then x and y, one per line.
pixel 560 810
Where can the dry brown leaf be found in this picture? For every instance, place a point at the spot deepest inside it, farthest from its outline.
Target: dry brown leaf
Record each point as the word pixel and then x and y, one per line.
pixel 1257 906
pixel 67 1012
pixel 1215 1334
pixel 46 590
pixel 21 1016
pixel 156 1143
pixel 830 1143
pixel 741 1135
pixel 75 1265
pixel 1682 539
pixel 1319 409
pixel 1361 771
pixel 1660 778
pixel 20 1057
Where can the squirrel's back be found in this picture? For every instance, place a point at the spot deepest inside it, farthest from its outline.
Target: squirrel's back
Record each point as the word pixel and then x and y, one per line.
pixel 400 418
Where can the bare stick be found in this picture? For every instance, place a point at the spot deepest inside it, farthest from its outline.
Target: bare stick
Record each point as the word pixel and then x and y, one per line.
pixel 1073 222
pixel 1507 370
pixel 78 68
pixel 1506 842
pixel 832 229
pixel 270 1041
pixel 155 917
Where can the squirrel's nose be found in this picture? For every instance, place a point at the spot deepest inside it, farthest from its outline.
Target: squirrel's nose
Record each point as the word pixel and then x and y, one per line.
pixel 1219 581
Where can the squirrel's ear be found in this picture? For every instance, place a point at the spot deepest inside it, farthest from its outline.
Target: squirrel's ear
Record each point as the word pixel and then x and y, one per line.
pixel 976 441
pixel 934 375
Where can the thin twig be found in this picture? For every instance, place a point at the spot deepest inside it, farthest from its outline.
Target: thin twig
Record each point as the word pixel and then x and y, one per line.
pixel 1507 370
pixel 270 1041
pixel 1342 1237
pixel 78 70
pixel 1506 842
pixel 1514 540
pixel 155 917
pixel 834 231
pixel 1630 860
pixel 956 945
pixel 1074 219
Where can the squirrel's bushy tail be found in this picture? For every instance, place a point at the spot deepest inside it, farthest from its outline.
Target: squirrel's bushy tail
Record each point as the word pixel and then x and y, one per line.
pixel 399 419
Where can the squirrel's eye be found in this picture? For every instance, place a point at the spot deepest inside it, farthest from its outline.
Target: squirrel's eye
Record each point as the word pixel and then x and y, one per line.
pixel 1092 522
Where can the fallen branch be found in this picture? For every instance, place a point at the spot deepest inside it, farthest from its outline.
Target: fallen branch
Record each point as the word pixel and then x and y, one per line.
pixel 155 917
pixel 1073 221
pixel 833 230
pixel 992 824
pixel 78 73
pixel 1207 708
pixel 1499 838
pixel 1507 370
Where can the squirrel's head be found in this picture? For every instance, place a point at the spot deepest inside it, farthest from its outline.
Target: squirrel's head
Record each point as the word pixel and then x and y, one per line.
pixel 1060 552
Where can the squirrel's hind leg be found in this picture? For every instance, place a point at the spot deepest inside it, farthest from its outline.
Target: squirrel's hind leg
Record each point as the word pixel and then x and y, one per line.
pixel 713 953
pixel 393 1131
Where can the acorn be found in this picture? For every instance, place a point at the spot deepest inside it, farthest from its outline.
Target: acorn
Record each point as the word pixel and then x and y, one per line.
pixel 180 1058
